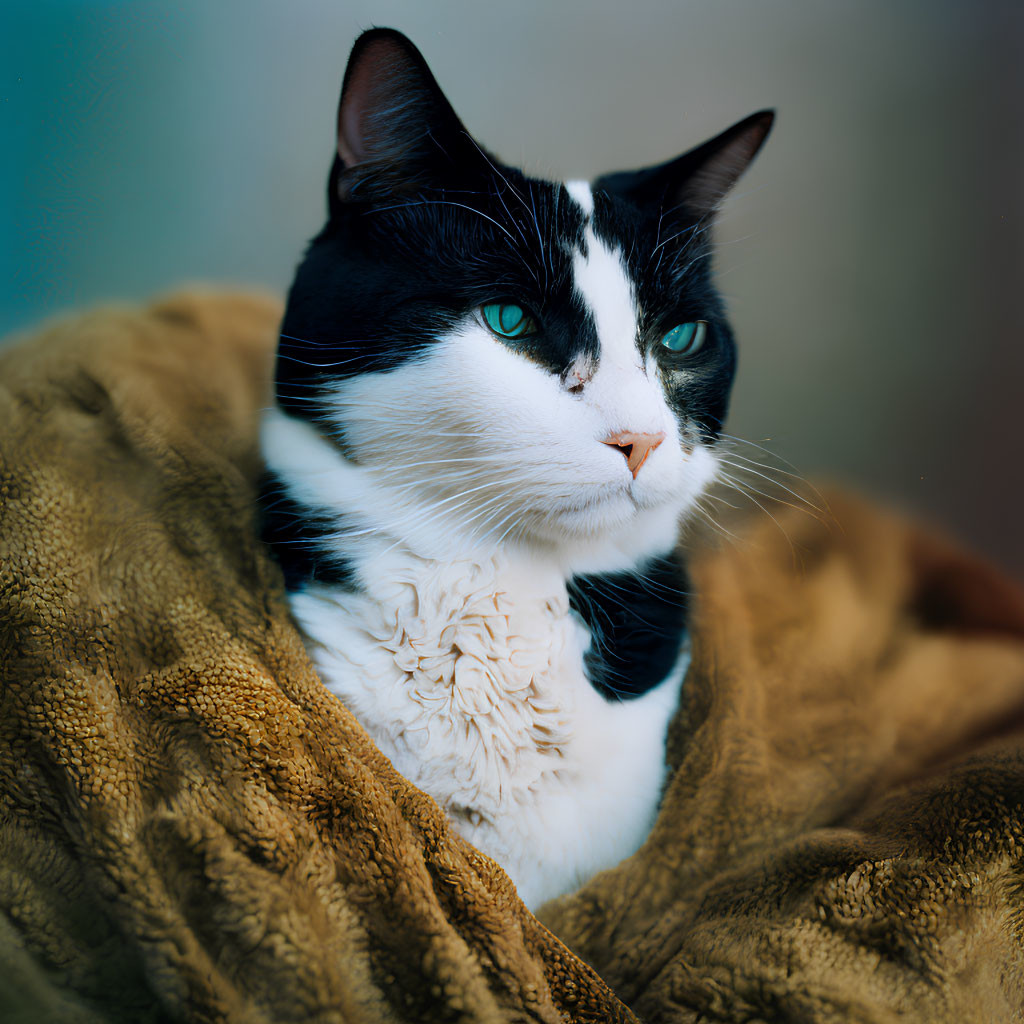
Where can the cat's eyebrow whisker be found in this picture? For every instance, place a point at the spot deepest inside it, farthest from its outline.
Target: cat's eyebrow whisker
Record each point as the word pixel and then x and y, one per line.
pixel 515 223
pixel 671 238
pixel 511 188
pixel 472 209
pixel 657 232
pixel 494 168
pixel 695 231
pixel 545 250
pixel 697 257
pixel 447 202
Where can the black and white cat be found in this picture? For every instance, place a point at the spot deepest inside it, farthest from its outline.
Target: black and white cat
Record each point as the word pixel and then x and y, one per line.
pixel 497 399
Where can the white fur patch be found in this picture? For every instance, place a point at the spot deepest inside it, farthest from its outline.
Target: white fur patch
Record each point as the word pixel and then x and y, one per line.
pixel 582 194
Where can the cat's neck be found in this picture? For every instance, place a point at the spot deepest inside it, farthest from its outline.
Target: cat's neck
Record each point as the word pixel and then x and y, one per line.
pixel 353 508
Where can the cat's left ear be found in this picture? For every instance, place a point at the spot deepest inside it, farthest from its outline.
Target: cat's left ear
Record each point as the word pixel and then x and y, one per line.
pixel 396 129
pixel 699 179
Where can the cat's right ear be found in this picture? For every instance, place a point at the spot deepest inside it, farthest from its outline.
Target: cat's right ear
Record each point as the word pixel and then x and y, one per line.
pixel 395 126
pixel 698 180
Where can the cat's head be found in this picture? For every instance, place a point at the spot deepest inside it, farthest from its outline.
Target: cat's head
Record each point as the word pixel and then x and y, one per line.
pixel 511 355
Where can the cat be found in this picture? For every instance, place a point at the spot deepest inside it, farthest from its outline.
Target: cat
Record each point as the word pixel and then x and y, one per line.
pixel 497 399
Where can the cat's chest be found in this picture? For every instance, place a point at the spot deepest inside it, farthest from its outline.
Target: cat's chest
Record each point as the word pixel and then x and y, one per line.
pixel 469 669
pixel 470 676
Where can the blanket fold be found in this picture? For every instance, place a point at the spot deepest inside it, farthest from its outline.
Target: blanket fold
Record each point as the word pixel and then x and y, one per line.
pixel 841 834
pixel 192 828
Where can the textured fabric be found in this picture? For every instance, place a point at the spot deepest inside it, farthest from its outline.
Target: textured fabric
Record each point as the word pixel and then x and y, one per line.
pixel 192 828
pixel 841 839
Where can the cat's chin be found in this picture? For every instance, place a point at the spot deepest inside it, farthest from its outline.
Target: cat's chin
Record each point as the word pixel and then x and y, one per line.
pixel 585 524
pixel 616 520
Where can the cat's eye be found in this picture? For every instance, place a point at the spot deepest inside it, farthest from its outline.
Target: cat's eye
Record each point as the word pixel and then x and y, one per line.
pixel 686 339
pixel 508 320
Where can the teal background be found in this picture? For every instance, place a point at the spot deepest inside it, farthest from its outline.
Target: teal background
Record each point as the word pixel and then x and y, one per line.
pixel 872 259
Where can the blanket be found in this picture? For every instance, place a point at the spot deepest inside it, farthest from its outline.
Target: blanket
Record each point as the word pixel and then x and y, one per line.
pixel 192 828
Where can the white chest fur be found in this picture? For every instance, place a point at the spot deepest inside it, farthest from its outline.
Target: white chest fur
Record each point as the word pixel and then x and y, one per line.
pixel 469 676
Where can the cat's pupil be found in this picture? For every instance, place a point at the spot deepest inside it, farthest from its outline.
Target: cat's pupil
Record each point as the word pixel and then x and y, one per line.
pixel 510 318
pixel 685 339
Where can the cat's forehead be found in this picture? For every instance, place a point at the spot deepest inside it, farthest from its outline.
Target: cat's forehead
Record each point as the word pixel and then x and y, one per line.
pixel 557 226
pixel 571 217
pixel 567 211
pixel 601 278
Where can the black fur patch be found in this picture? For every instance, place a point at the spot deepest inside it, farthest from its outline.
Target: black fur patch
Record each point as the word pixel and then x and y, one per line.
pixel 300 536
pixel 637 621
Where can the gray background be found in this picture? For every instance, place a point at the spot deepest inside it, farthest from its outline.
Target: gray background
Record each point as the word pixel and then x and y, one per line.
pixel 872 259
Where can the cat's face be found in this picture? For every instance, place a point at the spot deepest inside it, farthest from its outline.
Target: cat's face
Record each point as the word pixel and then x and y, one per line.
pixel 513 356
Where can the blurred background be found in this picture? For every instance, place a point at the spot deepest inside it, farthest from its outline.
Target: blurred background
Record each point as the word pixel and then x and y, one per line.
pixel 873 258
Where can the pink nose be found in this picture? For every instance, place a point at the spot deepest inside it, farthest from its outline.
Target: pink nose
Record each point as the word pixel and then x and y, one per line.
pixel 635 447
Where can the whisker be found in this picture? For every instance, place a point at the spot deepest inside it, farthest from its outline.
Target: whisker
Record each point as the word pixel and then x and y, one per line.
pixel 447 202
pixel 764 476
pixel 796 477
pixel 750 490
pixel 750 496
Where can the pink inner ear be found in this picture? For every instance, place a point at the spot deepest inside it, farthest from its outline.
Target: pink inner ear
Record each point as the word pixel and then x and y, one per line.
pixel 348 130
pixel 708 186
pixel 352 115
pixel 367 87
pixel 730 155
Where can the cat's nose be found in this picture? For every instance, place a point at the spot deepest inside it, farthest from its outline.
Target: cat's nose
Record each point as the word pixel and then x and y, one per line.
pixel 635 447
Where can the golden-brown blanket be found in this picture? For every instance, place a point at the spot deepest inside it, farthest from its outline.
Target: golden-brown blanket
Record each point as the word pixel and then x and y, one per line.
pixel 191 828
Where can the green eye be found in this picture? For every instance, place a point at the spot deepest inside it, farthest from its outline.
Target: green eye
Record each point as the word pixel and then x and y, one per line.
pixel 686 339
pixel 508 320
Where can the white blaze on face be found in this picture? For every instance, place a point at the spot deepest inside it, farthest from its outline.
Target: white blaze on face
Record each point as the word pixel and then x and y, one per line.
pixel 581 193
pixel 626 393
pixel 627 396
